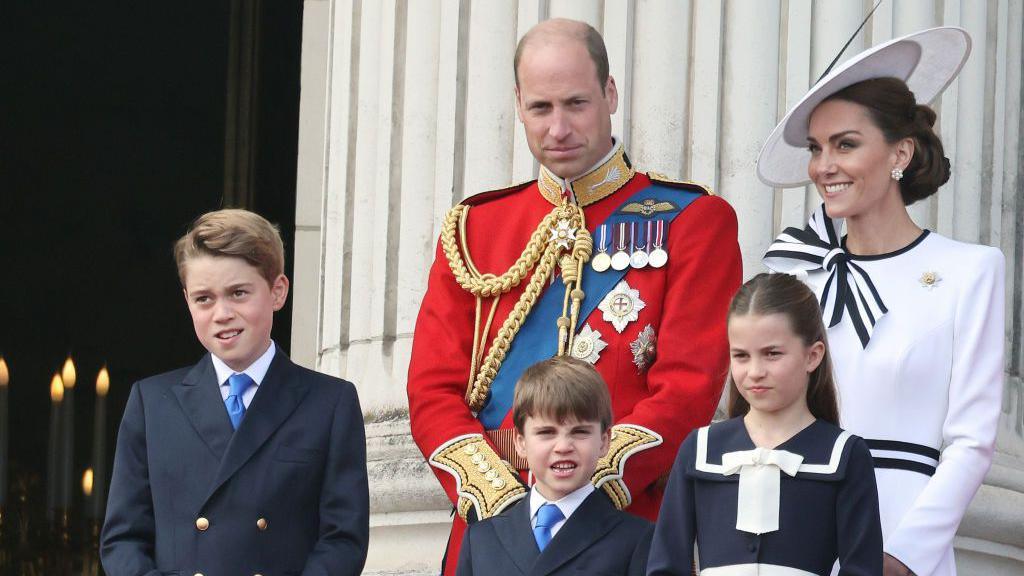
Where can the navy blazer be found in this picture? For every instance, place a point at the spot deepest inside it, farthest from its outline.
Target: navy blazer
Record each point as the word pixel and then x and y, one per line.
pixel 597 540
pixel 285 494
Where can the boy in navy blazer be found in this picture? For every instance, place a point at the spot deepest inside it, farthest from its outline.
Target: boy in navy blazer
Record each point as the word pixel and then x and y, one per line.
pixel 562 416
pixel 245 463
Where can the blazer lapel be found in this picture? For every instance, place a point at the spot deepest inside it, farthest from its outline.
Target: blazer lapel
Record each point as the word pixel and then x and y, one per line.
pixel 593 519
pixel 201 401
pixel 278 396
pixel 516 535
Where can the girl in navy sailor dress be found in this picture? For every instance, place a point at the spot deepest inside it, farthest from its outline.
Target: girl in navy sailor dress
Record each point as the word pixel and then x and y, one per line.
pixel 778 489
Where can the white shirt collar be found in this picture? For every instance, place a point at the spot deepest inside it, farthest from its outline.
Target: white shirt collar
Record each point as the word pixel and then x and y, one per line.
pixel 568 504
pixel 257 370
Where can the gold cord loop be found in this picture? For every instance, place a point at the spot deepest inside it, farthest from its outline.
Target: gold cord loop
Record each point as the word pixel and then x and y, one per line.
pixel 543 251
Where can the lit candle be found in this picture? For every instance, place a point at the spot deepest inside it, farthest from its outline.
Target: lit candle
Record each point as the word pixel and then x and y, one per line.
pixel 99 446
pixel 87 477
pixel 56 397
pixel 4 379
pixel 67 454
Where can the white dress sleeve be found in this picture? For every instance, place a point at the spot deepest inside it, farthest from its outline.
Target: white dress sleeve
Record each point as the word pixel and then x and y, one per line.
pixel 972 415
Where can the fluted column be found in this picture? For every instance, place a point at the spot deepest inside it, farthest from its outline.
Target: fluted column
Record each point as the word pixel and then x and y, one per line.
pixel 750 67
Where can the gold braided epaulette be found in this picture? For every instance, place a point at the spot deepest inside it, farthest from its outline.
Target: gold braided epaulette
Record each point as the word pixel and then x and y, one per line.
pixel 660 178
pixel 627 439
pixel 483 481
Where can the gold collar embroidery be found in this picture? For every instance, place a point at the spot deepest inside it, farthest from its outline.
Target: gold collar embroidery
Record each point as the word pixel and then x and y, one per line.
pixel 601 181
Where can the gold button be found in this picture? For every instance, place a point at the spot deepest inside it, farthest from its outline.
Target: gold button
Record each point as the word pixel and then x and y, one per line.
pixel 483 467
pixel 202 524
pixel 497 483
pixel 477 458
pixel 490 475
pixel 470 449
pixel 261 524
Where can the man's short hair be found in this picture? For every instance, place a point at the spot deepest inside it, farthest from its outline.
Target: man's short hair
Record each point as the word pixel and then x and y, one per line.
pixel 562 389
pixel 584 33
pixel 233 233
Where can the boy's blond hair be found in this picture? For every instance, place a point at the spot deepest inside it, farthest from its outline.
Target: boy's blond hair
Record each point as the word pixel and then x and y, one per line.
pixel 233 233
pixel 562 388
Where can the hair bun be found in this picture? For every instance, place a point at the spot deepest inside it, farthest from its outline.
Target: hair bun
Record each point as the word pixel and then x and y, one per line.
pixel 924 115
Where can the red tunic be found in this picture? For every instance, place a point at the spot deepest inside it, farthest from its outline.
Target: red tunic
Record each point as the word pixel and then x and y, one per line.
pixel 686 304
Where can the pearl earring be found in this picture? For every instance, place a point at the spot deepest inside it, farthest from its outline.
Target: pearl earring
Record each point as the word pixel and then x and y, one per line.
pixel 897 173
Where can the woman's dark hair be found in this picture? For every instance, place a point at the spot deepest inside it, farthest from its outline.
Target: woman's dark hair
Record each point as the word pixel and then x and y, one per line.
pixel 892 107
pixel 766 294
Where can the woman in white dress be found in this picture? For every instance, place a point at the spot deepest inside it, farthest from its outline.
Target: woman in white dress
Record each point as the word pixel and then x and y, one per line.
pixel 915 319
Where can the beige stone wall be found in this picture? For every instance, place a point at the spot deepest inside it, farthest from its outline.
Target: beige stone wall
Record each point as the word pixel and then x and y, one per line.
pixel 407 107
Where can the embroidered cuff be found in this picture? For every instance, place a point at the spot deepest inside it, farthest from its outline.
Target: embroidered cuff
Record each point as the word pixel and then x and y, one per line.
pixel 627 439
pixel 484 482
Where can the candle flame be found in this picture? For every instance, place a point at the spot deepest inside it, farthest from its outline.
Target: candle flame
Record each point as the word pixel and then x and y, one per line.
pixel 4 375
pixel 102 382
pixel 68 373
pixel 56 389
pixel 87 482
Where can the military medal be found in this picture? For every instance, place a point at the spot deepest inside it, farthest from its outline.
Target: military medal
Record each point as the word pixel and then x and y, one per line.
pixel 621 306
pixel 640 258
pixel 620 261
pixel 563 234
pixel 644 349
pixel 602 261
pixel 587 345
pixel 658 257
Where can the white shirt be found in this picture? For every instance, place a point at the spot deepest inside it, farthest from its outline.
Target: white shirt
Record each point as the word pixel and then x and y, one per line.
pixel 257 371
pixel 568 504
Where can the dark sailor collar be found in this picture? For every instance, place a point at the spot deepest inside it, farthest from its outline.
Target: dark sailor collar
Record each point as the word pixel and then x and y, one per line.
pixel 820 444
pixel 607 176
pixel 848 290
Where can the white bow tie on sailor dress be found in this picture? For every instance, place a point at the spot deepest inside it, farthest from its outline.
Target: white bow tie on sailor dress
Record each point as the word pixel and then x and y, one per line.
pixel 757 508
pixel 848 287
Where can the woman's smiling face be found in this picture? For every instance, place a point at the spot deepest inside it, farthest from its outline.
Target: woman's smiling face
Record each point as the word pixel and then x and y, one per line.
pixel 851 162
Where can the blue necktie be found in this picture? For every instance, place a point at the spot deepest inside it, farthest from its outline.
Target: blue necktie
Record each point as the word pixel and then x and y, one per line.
pixel 547 516
pixel 239 383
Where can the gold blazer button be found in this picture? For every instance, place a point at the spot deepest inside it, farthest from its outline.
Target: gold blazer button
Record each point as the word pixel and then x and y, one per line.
pixel 202 524
pixel 261 524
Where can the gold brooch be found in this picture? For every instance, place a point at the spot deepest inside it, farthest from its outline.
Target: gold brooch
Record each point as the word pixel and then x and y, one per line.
pixel 929 280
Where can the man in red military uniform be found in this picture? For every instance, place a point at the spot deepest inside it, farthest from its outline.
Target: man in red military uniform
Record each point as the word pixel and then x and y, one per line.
pixel 625 270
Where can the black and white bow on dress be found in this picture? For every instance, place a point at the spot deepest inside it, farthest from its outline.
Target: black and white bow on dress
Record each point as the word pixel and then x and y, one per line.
pixel 848 288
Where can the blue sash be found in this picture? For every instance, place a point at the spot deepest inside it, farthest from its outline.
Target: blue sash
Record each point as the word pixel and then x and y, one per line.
pixel 537 338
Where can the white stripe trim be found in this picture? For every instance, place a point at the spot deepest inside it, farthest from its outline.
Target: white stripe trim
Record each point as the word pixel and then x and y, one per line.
pixel 755 570
pixel 830 468
pixel 901 455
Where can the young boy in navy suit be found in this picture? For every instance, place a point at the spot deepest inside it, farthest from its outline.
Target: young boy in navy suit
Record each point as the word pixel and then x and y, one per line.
pixel 562 416
pixel 244 463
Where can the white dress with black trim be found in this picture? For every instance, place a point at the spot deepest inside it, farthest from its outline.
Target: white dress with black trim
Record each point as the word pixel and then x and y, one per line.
pixel 806 503
pixel 927 383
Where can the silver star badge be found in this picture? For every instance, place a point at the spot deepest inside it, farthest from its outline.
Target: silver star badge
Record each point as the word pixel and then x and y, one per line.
pixel 929 280
pixel 621 306
pixel 644 349
pixel 563 234
pixel 587 345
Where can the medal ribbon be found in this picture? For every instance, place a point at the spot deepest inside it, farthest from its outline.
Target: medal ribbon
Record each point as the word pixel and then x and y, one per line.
pixel 848 289
pixel 535 341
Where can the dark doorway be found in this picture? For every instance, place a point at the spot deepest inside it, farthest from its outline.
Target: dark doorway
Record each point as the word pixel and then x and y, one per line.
pixel 116 135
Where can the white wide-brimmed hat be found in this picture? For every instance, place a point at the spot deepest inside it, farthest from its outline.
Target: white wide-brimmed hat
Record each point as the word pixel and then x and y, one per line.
pixel 927 61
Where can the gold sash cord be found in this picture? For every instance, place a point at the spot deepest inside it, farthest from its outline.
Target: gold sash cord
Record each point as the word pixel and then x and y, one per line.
pixel 542 253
